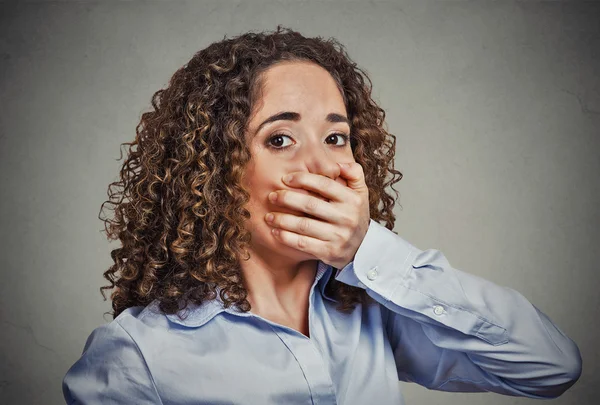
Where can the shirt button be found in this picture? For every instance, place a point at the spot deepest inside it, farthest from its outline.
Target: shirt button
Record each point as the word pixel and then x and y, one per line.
pixel 438 309
pixel 372 274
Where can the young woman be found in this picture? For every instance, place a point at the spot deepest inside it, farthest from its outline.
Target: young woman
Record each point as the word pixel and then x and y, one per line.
pixel 254 269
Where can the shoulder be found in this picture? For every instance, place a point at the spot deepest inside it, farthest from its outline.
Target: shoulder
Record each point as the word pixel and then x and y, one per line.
pixel 126 335
pixel 125 329
pixel 113 340
pixel 141 323
pixel 133 331
pixel 112 364
pixel 117 328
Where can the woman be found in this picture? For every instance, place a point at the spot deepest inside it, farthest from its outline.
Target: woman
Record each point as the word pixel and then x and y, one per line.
pixel 239 285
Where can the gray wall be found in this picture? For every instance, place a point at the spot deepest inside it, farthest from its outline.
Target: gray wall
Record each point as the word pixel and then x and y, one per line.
pixel 496 107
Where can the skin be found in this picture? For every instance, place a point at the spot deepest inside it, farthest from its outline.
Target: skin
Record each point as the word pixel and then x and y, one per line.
pixel 321 214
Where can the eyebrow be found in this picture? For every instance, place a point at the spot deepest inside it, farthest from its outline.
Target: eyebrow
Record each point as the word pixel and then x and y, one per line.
pixel 294 116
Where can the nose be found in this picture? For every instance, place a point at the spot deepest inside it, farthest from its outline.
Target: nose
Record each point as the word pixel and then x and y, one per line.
pixel 319 160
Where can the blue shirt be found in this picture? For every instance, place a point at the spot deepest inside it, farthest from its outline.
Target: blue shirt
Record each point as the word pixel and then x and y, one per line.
pixel 432 324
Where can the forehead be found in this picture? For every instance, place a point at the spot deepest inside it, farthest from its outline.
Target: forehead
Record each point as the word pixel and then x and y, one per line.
pixel 298 86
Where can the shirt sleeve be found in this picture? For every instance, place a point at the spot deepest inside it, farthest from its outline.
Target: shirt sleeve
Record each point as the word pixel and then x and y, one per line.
pixel 454 331
pixel 111 370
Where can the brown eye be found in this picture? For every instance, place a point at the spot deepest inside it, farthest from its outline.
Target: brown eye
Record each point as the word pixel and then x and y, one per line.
pixel 277 141
pixel 336 137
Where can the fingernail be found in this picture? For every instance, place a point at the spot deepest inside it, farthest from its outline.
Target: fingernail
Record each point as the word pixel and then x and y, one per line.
pixel 287 178
pixel 343 164
pixel 275 231
pixel 269 217
pixel 273 196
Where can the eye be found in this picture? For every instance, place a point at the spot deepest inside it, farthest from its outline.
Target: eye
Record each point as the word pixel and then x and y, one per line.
pixel 277 141
pixel 337 136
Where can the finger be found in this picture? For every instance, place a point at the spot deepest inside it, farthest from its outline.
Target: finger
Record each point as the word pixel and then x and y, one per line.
pixel 308 204
pixel 328 188
pixel 303 243
pixel 301 225
pixel 354 175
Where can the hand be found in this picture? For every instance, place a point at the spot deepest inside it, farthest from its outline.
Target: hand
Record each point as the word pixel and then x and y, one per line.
pixel 337 227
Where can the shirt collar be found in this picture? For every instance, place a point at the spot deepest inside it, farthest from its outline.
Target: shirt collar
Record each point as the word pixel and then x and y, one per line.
pixel 198 315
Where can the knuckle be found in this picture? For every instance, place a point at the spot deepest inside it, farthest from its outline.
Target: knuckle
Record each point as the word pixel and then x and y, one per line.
pixel 279 221
pixel 347 220
pixel 331 254
pixel 339 234
pixel 323 183
pixel 301 242
pixel 312 204
pixel 303 224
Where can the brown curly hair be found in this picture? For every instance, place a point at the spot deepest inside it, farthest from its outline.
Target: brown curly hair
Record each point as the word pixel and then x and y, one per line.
pixel 179 204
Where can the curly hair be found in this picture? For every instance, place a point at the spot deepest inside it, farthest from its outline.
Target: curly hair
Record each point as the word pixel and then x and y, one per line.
pixel 179 206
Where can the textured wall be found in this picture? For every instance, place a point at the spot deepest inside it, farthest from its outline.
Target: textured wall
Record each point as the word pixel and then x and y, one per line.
pixel 495 105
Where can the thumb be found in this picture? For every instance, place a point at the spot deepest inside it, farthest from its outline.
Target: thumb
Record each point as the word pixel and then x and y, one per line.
pixel 352 172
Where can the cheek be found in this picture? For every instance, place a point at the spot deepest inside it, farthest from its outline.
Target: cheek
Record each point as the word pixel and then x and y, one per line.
pixel 267 176
pixel 260 185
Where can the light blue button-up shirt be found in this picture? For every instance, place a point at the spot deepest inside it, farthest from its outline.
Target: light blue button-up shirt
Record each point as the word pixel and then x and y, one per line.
pixel 432 324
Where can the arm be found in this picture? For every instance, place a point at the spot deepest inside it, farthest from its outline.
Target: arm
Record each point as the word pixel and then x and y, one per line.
pixel 111 370
pixel 453 331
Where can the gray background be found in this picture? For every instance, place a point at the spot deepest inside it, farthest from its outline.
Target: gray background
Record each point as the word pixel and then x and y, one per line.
pixel 496 107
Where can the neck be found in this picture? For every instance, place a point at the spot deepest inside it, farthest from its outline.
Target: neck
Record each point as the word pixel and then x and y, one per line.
pixel 276 284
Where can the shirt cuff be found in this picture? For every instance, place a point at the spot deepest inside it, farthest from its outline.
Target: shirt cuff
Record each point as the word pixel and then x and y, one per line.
pixel 377 251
